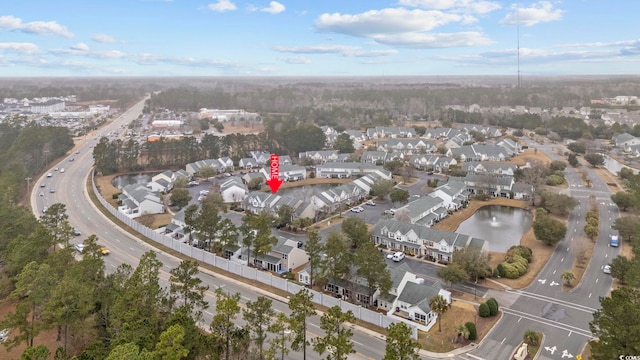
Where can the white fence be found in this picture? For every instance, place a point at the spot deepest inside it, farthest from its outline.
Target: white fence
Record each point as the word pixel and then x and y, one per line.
pixel 246 272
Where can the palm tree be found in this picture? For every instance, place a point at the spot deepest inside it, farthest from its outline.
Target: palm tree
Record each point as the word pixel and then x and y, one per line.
pixel 531 338
pixel 439 305
pixel 567 276
pixel 462 331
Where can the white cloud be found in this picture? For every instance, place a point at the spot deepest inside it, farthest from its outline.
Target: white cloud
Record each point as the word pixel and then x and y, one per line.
pixel 435 40
pixel 35 27
pixel 22 48
pixel 103 38
pixel 274 8
pixel 297 60
pixel 601 44
pixel 469 6
pixel 536 13
pixel 222 6
pixel 387 21
pixel 343 50
pixel 405 27
pixel 80 47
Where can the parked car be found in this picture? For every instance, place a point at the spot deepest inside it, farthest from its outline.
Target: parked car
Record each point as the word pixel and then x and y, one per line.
pixel 357 209
pixel 72 159
pixel 398 256
pixel 76 232
pixel 51 174
pixel 79 247
pixel 62 170
pixel 370 202
pixel 52 190
pixel 44 209
pixel 607 269
pixel 42 185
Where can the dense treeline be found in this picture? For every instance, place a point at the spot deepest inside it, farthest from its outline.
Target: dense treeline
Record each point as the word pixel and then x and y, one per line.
pixel 25 150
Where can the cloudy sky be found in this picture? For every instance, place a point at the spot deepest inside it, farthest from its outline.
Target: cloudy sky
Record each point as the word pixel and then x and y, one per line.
pixel 317 37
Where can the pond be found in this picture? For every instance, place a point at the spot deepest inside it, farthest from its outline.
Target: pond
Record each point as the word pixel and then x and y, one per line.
pixel 501 226
pixel 121 181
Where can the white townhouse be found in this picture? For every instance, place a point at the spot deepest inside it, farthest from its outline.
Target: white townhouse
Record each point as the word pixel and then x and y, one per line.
pixel 373 157
pixel 338 198
pixel 454 194
pixel 233 190
pixel 440 133
pixel 432 162
pixel 512 147
pixel 220 165
pixel 625 140
pixel 248 163
pixel 380 132
pixel 488 131
pixel 414 300
pixel 400 275
pixel 261 157
pixel 162 182
pixel 490 184
pixel 257 202
pixel 425 211
pixel 357 136
pixel 435 245
pixel 408 146
pixel 484 167
pixel 284 256
pixel 346 170
pixel 330 135
pixel 137 200
pixel 479 152
pixel 287 172
pixel 320 156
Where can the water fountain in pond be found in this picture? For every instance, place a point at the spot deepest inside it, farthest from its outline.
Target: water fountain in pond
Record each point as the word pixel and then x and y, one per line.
pixel 494 222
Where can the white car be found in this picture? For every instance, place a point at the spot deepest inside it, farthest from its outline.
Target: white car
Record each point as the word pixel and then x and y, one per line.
pixel 370 202
pixel 607 269
pixel 357 209
pixel 62 170
pixel 79 247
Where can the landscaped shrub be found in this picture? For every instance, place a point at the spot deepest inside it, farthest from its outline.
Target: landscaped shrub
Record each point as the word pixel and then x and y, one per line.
pixel 483 310
pixel 493 306
pixel 555 180
pixel 473 333
pixel 523 251
pixel 482 197
pixel 500 269
pixel 510 272
pixel 496 273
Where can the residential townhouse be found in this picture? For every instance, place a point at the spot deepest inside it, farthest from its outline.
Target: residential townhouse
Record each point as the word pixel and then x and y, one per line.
pixel 435 245
pixel 479 152
pixel 459 140
pixel 408 146
pixel 413 302
pixel 248 163
pixel 346 170
pixel 137 200
pixel 354 288
pixel 454 194
pixel 163 182
pixel 512 146
pixel 380 132
pixel 339 198
pixel 261 157
pixel 284 256
pixel 220 165
pixel 320 156
pixel 432 162
pixel 373 157
pixel 400 275
pixel 489 132
pixel 425 211
pixel 493 185
pixel 440 133
pixel 498 169
pixel 287 172
pixel 257 202
pixel 233 190
pixel 357 136
pixel 625 140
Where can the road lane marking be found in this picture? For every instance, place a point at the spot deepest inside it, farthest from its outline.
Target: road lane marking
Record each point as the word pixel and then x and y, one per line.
pixel 590 295
pixel 502 342
pixel 561 260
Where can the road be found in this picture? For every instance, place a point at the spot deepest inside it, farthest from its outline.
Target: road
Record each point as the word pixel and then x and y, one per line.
pixel 71 190
pixel 563 317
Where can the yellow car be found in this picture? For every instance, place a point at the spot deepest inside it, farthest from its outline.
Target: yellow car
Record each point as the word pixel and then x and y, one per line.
pixel 104 250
